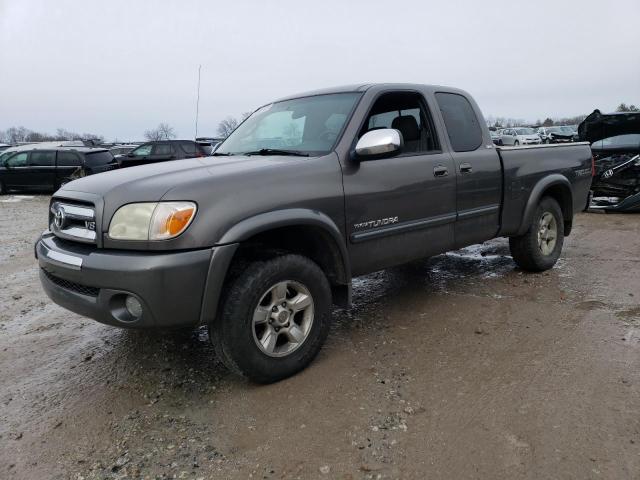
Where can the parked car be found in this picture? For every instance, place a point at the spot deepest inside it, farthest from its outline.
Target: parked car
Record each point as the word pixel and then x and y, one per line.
pixel 117 150
pixel 615 143
pixel 520 136
pixel 259 240
pixel 556 134
pixel 32 167
pixel 162 151
pixel 4 146
pixel 495 137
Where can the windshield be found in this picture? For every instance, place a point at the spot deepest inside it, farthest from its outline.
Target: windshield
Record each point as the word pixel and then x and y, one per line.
pixel 566 129
pixel 555 129
pixel 525 131
pixel 309 125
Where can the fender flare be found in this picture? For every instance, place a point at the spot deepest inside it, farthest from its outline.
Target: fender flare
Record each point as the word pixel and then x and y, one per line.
pixel 226 248
pixel 537 191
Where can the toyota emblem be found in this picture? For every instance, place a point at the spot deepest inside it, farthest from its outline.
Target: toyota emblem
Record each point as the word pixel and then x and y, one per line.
pixel 59 218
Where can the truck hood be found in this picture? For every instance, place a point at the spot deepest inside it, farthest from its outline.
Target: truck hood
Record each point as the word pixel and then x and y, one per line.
pixel 598 126
pixel 150 182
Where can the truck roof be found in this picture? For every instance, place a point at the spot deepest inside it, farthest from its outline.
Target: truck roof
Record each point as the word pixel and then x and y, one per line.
pixel 363 87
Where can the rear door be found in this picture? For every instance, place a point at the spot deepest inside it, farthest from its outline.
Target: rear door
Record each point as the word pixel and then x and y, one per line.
pixel 400 208
pixel 162 152
pixel 68 165
pixel 42 168
pixel 478 171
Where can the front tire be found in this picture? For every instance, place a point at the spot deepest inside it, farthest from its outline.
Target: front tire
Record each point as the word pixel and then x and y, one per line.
pixel 540 247
pixel 275 316
pixel 516 143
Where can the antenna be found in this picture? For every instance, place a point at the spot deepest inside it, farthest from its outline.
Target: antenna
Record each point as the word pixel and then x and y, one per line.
pixel 198 102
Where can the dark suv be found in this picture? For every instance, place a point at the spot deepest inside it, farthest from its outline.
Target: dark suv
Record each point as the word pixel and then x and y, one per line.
pixel 35 168
pixel 161 151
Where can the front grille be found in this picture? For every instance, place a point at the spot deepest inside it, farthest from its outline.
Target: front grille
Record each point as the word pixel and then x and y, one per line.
pixel 74 287
pixel 73 221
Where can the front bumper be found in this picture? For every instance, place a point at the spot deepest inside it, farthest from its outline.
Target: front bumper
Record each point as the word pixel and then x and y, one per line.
pixel 95 282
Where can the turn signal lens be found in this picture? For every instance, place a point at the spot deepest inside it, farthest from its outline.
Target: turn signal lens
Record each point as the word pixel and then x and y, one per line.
pixel 170 219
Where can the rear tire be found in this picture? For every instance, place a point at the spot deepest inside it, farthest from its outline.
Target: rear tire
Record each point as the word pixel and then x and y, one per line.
pixel 274 317
pixel 2 189
pixel 516 143
pixel 540 247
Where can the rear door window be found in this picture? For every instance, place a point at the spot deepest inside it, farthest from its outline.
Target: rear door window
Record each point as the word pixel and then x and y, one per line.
pixel 462 124
pixel 69 159
pixel 188 147
pixel 162 149
pixel 42 159
pixel 98 158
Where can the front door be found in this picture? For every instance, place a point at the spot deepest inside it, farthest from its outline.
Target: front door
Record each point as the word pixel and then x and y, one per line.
pixel 403 207
pixel 16 171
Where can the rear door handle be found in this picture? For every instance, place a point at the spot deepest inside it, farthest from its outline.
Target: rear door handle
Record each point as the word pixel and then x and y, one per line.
pixel 465 168
pixel 440 171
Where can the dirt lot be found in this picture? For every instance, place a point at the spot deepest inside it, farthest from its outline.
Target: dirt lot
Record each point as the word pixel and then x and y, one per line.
pixel 457 367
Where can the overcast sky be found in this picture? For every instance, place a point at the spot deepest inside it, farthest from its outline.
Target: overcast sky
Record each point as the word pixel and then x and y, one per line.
pixel 117 68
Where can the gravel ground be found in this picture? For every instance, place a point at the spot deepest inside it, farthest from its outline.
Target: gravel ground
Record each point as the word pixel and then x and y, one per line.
pixel 461 366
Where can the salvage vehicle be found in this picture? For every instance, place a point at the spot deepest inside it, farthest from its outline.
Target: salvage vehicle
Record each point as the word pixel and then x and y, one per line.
pixel 556 134
pixel 615 143
pixel 162 151
pixel 45 168
pixel 495 137
pixel 520 136
pixel 259 240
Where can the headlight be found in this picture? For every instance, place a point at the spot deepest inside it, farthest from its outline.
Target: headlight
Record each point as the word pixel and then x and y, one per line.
pixel 151 221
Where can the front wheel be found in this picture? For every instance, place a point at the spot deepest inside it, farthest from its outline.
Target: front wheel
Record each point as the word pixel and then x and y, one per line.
pixel 274 318
pixel 539 248
pixel 516 143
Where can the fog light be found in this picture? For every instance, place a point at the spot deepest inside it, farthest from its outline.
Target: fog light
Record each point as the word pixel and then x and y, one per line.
pixel 134 307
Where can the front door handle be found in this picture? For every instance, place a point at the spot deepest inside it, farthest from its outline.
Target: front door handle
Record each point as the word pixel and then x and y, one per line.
pixel 440 171
pixel 465 168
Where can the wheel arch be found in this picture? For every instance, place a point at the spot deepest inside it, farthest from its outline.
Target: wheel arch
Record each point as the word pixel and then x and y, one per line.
pixel 556 186
pixel 302 231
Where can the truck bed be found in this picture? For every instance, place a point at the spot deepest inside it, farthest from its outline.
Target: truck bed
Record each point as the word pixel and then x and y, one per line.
pixel 524 166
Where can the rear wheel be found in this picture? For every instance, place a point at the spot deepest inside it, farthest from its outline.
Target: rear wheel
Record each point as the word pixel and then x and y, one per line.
pixel 540 247
pixel 516 143
pixel 274 318
pixel 2 189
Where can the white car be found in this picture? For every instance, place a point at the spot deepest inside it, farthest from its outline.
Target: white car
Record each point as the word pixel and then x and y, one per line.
pixel 520 136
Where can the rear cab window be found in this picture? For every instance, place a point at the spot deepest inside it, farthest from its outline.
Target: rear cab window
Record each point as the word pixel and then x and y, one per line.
pixel 461 121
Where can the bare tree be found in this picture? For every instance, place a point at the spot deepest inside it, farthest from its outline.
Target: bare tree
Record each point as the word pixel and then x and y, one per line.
pixel 162 132
pixel 623 107
pixel 226 126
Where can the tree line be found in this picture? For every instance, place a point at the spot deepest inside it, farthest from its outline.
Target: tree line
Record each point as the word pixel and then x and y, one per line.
pixel 164 131
pixel 505 122
pixel 15 135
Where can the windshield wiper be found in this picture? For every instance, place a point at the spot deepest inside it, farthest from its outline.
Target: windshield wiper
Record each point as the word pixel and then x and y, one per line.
pixel 276 151
pixel 219 154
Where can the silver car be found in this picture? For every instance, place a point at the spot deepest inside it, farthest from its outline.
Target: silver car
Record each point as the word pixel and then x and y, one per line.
pixel 520 136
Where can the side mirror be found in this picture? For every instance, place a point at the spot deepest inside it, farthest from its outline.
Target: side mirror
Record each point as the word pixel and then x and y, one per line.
pixel 378 143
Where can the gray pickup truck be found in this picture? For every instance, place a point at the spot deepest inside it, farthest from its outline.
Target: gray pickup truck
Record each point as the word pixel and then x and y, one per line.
pixel 259 240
